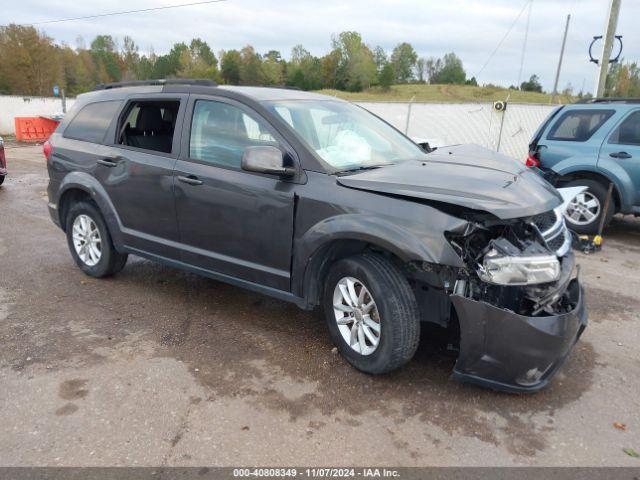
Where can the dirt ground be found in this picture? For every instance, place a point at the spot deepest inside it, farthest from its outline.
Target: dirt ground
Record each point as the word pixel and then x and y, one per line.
pixel 160 367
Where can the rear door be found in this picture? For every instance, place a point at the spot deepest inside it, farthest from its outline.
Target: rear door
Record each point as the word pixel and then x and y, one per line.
pixel 136 170
pixel 231 221
pixel 620 155
pixel 576 134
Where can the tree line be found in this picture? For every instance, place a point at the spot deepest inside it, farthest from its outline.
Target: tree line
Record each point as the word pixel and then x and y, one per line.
pixel 31 63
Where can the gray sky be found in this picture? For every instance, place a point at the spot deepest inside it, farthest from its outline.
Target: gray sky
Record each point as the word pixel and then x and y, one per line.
pixel 470 28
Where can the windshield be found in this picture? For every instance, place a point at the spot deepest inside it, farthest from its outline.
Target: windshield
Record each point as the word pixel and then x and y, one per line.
pixel 345 136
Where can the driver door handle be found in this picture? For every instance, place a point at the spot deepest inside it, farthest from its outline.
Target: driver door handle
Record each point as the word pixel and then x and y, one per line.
pixel 620 155
pixel 190 180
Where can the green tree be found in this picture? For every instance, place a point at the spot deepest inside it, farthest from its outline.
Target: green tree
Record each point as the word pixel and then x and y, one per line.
pixel 356 66
pixel 448 69
pixel 304 70
pixel 250 67
pixel 531 85
pixel 380 57
pixel 272 68
pixel 198 61
pixel 421 69
pixel 130 59
pixel 29 61
pixel 105 56
pixel 386 77
pixel 623 80
pixel 230 67
pixel 403 59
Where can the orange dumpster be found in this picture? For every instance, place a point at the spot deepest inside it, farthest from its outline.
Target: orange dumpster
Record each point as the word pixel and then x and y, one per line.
pixel 34 129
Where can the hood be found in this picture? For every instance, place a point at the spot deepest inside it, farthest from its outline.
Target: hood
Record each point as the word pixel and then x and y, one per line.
pixel 470 176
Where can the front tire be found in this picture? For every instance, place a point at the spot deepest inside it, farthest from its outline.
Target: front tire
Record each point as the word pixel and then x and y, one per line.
pixel 90 243
pixel 586 209
pixel 371 313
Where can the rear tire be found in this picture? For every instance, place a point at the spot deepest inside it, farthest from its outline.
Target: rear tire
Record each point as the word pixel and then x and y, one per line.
pixel 585 211
pixel 386 334
pixel 90 243
pixel 2 177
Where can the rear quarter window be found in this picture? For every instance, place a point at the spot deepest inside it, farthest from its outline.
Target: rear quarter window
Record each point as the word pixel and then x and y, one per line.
pixel 578 125
pixel 92 121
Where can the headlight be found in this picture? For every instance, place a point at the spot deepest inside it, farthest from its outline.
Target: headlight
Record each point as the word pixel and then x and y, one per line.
pixel 526 270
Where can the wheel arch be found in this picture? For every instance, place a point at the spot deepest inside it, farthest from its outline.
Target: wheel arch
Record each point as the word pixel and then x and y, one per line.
pixel 569 176
pixel 336 238
pixel 79 186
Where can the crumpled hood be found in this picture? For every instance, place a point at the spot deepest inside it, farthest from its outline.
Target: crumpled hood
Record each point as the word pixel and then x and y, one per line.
pixel 467 175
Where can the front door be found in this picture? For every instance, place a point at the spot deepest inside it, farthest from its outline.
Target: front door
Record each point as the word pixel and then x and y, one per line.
pixel 231 221
pixel 620 155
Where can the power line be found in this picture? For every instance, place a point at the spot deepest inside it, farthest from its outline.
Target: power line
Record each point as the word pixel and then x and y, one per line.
pixel 125 12
pixel 524 44
pixel 503 38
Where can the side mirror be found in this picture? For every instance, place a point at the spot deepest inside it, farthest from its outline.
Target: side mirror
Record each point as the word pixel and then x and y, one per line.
pixel 266 159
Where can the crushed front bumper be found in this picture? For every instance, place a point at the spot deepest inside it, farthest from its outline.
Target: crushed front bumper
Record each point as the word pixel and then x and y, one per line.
pixel 502 350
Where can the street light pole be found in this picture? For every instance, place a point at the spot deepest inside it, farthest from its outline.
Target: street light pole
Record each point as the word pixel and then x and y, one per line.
pixel 564 42
pixel 612 23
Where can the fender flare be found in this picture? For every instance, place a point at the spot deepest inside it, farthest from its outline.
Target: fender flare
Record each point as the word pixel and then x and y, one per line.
pixel 85 182
pixel 310 249
pixel 621 185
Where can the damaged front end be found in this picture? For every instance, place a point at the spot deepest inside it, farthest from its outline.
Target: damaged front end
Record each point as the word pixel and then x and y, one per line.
pixel 518 301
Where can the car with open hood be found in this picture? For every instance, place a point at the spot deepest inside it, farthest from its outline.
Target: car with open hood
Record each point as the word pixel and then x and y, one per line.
pixel 316 201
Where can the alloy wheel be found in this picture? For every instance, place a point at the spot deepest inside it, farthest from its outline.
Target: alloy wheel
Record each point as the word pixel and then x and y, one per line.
pixel 357 315
pixel 583 209
pixel 86 240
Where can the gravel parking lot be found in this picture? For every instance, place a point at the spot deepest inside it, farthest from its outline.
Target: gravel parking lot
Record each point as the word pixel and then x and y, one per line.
pixel 160 367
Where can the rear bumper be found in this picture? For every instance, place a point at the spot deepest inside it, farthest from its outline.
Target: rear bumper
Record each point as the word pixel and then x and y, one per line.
pixel 502 350
pixel 53 213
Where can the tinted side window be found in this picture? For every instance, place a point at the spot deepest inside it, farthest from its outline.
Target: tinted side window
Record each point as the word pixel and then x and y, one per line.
pixel 628 133
pixel 579 125
pixel 92 121
pixel 220 132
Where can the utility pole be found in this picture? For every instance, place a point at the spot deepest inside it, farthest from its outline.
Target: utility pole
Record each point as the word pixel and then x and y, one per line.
pixel 612 23
pixel 564 42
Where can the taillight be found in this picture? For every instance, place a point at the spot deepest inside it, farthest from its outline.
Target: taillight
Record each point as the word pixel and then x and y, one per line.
pixel 46 149
pixel 532 161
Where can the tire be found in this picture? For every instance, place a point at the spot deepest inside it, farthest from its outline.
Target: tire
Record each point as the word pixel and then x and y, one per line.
pixel 395 311
pixel 596 191
pixel 109 261
pixel 2 177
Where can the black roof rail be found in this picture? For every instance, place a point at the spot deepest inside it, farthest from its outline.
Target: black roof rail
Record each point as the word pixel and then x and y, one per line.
pixel 609 100
pixel 169 81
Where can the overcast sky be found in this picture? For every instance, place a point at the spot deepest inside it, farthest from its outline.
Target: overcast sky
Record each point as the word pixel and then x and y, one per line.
pixel 470 28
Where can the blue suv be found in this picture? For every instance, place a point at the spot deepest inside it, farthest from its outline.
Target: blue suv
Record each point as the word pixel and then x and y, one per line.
pixel 592 143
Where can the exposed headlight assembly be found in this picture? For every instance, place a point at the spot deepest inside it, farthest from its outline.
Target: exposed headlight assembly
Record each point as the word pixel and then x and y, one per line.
pixel 522 270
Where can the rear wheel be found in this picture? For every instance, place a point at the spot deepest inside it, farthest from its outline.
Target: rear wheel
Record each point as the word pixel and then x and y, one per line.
pixel 90 243
pixel 2 179
pixel 584 212
pixel 371 313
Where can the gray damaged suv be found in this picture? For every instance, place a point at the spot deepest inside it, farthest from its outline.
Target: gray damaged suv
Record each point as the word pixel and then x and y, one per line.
pixel 316 201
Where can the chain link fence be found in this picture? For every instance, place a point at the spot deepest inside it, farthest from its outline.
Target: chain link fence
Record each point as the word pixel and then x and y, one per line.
pixel 507 132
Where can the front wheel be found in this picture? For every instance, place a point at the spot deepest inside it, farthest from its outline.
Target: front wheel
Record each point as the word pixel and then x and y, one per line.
pixel 371 313
pixel 585 211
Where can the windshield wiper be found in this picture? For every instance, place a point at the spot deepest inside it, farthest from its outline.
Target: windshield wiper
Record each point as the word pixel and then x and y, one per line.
pixel 366 167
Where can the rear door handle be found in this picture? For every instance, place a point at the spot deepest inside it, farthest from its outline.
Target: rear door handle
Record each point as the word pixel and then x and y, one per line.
pixel 191 180
pixel 107 162
pixel 620 155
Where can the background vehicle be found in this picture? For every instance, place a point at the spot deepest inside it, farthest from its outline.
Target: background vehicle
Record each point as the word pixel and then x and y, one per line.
pixel 316 201
pixel 3 162
pixel 591 144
